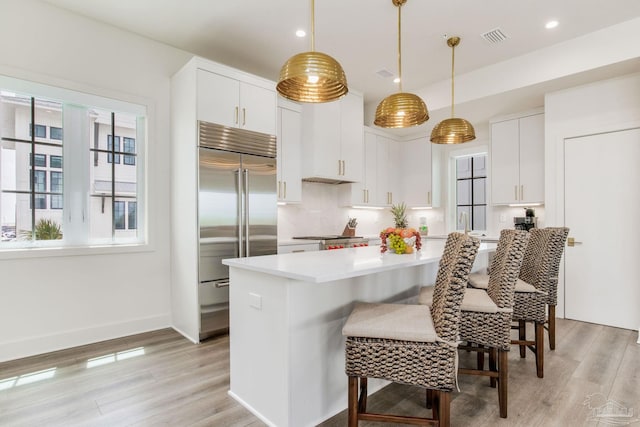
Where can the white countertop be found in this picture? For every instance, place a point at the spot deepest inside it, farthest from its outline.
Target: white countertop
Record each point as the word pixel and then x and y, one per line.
pixel 325 266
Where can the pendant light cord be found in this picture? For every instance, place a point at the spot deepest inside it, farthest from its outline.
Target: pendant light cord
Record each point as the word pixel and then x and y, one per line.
pixel 453 55
pixel 400 44
pixel 313 25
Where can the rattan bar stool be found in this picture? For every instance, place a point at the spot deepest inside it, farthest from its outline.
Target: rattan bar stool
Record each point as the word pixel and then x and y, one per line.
pixel 486 315
pixel 411 344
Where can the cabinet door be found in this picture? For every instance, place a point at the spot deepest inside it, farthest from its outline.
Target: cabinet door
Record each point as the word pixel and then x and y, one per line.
pixel 321 140
pixel 505 182
pixel 385 166
pixel 417 171
pixel 218 99
pixel 257 109
pixel 532 159
pixel 289 155
pixel 351 137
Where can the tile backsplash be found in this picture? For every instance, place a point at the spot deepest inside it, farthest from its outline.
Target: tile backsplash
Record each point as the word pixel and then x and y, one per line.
pixel 319 213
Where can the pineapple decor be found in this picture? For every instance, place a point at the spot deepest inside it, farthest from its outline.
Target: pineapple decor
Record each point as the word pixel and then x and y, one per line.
pixel 399 213
pixel 400 239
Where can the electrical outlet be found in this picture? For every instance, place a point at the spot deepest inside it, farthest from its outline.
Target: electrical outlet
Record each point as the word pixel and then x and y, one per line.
pixel 255 301
pixel 503 218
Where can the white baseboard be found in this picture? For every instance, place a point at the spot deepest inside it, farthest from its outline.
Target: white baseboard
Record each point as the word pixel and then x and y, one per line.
pixel 251 409
pixel 35 345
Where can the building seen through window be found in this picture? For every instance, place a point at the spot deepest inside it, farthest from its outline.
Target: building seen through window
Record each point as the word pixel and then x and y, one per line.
pixel 60 169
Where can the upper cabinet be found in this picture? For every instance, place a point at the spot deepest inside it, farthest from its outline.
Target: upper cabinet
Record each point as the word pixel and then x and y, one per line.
pixel 379 185
pixel 517 160
pixel 231 102
pixel 289 151
pixel 332 143
pixel 416 169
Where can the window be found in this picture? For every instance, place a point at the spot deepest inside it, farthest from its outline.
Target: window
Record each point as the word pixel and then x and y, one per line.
pixel 40 178
pixel 55 162
pixel 40 160
pixel 56 187
pixel 55 133
pixel 35 188
pixel 129 147
pixel 119 215
pixel 131 219
pixel 113 149
pixel 471 200
pixel 41 131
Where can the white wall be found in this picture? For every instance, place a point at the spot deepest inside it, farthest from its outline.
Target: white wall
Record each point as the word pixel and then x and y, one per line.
pixel 599 107
pixel 52 302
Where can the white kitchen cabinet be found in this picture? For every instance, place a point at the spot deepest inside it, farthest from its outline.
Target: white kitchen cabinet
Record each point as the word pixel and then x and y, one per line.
pixel 289 134
pixel 232 102
pixel 517 160
pixel 379 186
pixel 332 143
pixel 416 169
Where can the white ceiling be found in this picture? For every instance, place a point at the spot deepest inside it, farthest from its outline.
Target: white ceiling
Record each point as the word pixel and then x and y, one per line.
pixel 258 36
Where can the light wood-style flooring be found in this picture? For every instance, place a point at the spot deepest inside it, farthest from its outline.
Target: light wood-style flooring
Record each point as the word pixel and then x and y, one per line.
pixel 161 379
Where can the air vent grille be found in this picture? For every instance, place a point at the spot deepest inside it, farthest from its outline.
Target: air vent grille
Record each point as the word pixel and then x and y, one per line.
pixel 384 73
pixel 494 36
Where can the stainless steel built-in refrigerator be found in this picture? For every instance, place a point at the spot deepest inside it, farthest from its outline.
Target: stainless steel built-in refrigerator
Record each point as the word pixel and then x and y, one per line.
pixel 237 208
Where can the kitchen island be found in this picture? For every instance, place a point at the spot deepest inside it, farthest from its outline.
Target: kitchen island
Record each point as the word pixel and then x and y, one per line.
pixel 286 318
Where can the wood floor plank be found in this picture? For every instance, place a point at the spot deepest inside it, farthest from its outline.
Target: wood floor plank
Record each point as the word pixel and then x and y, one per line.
pixel 178 383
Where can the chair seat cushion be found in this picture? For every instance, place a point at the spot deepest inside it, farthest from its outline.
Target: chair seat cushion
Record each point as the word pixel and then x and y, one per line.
pixel 391 321
pixel 478 300
pixel 479 280
pixel 522 286
pixel 426 295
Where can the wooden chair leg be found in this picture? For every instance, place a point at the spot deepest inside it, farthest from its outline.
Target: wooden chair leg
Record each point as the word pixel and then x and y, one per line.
pixel 444 409
pixel 362 401
pixel 492 366
pixel 540 349
pixel 480 357
pixel 353 402
pixel 429 398
pixel 503 378
pixel 552 327
pixel 522 335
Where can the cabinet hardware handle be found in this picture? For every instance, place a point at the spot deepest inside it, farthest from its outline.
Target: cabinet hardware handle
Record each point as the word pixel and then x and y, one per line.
pixel 339 167
pixel 285 190
pixel 367 196
pixel 515 188
pixel 428 197
pixel 391 198
pixel 344 167
pixel 522 192
pixel 571 241
pixel 244 116
pixel 236 115
pixel 364 196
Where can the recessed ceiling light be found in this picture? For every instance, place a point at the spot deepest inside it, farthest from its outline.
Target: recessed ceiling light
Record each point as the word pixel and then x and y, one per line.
pixel 301 33
pixel 396 80
pixel 551 24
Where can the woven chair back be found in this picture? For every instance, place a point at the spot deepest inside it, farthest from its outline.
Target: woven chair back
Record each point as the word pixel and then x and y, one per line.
pixel 505 266
pixel 451 281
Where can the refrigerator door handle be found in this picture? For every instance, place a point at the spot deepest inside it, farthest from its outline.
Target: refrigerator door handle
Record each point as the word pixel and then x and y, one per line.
pixel 246 212
pixel 239 192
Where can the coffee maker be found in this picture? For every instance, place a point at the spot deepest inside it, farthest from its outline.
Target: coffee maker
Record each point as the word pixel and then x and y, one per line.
pixel 526 222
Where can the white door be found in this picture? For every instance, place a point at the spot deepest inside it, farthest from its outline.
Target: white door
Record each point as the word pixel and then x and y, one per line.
pixel 602 208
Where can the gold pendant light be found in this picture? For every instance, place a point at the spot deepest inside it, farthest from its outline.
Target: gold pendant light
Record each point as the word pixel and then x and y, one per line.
pixel 453 130
pixel 312 76
pixel 401 110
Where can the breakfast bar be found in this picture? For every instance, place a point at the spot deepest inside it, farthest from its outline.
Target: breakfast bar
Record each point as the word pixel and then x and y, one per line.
pixel 286 316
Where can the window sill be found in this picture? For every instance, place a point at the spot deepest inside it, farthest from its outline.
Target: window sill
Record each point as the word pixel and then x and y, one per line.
pixel 46 252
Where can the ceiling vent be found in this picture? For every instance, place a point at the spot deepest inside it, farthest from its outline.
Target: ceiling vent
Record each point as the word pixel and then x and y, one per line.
pixel 494 36
pixel 384 73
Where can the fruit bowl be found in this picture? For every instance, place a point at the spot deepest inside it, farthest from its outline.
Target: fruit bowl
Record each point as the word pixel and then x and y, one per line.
pixel 400 240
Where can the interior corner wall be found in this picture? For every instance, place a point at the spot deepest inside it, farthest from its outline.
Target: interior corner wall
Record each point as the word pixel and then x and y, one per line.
pixel 49 303
pixel 599 107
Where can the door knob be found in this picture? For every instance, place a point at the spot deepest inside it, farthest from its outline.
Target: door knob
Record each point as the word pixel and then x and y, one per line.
pixel 571 241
